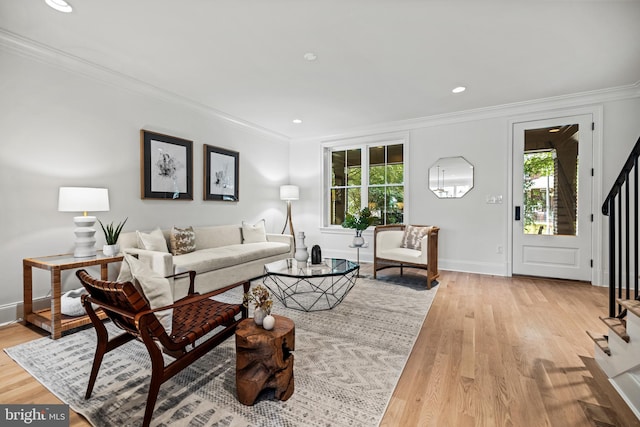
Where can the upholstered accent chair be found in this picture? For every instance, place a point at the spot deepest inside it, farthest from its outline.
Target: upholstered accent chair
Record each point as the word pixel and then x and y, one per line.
pixel 192 317
pixel 406 246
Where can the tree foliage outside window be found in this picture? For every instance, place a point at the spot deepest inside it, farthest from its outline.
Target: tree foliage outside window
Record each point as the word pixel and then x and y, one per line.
pixel 536 165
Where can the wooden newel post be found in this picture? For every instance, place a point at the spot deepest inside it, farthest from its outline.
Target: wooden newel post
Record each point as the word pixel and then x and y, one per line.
pixel 264 359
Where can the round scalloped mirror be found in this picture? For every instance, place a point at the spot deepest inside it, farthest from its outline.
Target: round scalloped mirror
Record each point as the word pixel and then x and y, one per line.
pixel 451 177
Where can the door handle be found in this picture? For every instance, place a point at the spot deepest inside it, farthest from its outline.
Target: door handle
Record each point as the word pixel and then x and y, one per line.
pixel 517 214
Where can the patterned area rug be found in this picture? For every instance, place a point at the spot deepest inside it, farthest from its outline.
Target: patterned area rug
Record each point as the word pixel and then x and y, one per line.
pixel 347 363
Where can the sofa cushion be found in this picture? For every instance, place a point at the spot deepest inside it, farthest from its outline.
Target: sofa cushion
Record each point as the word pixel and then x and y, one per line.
pixel 153 241
pixel 183 240
pixel 412 237
pixel 255 233
pixel 204 260
pixel 217 235
pixel 411 256
pixel 155 288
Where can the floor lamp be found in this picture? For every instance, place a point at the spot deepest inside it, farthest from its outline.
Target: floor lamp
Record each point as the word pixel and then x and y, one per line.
pixel 289 193
pixel 82 199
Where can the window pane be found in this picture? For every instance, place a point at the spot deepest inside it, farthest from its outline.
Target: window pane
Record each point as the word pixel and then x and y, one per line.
pixel 337 168
pixel 395 174
pixel 387 203
pixel 354 167
pixel 377 201
pixel 395 205
pixel 376 165
pixel 395 164
pixel 353 200
pixel 376 175
pixel 394 154
pixel 550 185
pixel 337 206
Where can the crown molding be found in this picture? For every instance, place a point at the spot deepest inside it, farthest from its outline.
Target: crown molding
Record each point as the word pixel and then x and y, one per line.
pixel 499 111
pixel 22 46
pixel 28 48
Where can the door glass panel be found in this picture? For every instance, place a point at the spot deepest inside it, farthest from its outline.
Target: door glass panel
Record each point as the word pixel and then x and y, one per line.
pixel 550 184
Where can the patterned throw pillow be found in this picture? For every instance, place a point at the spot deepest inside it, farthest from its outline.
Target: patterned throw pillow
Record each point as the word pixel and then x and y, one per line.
pixel 183 240
pixel 412 237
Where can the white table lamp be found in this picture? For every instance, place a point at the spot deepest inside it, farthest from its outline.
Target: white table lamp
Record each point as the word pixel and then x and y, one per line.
pixel 289 193
pixel 83 199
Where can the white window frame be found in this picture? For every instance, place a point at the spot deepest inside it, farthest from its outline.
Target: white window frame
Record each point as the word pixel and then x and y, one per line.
pixel 362 143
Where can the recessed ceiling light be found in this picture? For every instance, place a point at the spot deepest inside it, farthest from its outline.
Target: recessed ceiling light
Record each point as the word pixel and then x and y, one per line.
pixel 458 89
pixel 297 121
pixel 310 56
pixel 59 5
pixel 554 130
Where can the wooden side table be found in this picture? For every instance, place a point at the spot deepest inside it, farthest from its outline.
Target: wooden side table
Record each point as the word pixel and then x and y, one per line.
pixel 264 359
pixel 52 320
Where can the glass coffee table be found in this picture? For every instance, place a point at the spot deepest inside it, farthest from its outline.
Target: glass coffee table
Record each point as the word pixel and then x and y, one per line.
pixel 310 287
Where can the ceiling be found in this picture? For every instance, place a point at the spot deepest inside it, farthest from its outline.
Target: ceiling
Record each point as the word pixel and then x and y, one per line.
pixel 377 61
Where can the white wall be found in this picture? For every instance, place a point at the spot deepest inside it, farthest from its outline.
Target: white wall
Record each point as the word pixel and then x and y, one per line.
pixel 63 129
pixel 471 229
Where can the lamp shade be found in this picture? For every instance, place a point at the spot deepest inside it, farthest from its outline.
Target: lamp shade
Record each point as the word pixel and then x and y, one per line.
pixel 83 199
pixel 289 192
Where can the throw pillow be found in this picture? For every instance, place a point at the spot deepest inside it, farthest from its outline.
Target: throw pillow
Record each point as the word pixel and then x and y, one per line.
pixel 71 304
pixel 183 240
pixel 153 241
pixel 155 288
pixel 255 233
pixel 412 237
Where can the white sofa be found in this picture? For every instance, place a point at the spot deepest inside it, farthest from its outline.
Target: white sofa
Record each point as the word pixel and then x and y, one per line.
pixel 220 257
pixel 390 249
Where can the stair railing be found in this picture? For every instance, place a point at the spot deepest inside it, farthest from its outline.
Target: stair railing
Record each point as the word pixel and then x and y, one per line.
pixel 621 206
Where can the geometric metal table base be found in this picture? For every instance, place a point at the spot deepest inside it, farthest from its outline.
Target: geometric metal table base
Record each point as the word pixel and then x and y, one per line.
pixel 312 287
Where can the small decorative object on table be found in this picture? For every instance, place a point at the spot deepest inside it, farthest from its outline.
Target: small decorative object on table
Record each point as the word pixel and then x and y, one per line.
pixel 360 223
pixel 111 234
pixel 262 303
pixel 316 255
pixel 301 254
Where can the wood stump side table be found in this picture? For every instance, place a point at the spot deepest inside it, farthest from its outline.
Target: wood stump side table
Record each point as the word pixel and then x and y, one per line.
pixel 264 359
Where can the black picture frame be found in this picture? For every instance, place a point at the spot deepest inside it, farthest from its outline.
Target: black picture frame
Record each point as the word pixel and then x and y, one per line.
pixel 221 174
pixel 166 167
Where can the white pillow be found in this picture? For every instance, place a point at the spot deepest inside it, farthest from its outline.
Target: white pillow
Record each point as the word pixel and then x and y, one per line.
pixel 155 288
pixel 153 241
pixel 254 233
pixel 71 303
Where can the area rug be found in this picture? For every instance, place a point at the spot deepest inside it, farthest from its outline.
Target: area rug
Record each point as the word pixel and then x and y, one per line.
pixel 347 363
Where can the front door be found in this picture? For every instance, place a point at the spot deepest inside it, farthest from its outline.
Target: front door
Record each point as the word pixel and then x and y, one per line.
pixel 551 212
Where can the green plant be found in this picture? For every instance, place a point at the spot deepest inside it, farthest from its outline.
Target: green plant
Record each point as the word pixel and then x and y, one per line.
pixel 260 298
pixel 360 221
pixel 111 232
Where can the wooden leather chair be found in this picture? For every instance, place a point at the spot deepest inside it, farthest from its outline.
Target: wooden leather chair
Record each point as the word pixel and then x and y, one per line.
pixel 193 317
pixel 388 251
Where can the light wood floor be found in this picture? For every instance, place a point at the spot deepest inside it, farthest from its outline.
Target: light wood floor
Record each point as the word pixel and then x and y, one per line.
pixel 493 351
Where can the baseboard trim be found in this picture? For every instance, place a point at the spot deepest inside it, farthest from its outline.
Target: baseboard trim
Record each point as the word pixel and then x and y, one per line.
pixel 10 313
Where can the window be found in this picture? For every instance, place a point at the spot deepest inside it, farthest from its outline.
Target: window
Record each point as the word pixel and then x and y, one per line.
pixel 368 175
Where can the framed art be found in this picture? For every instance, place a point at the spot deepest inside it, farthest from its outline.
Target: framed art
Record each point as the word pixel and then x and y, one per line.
pixel 166 167
pixel 221 174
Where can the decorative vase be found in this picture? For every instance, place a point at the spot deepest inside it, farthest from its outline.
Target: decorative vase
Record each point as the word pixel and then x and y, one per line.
pixel 316 255
pixel 268 322
pixel 301 254
pixel 258 315
pixel 358 240
pixel 111 250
